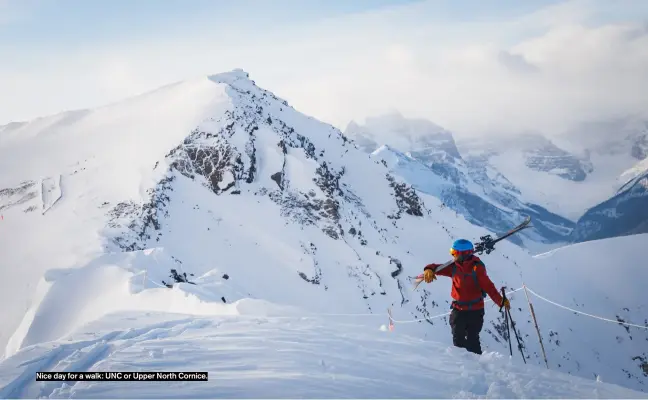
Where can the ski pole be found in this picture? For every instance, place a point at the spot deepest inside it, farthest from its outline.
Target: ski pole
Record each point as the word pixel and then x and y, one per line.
pixel 508 330
pixel 516 335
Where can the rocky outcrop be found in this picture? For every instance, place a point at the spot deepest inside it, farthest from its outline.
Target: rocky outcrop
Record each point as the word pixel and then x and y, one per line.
pixel 19 195
pixel 406 199
pixel 229 155
pixel 549 158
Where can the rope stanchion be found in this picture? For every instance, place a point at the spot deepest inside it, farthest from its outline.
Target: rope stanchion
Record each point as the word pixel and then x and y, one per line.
pixel 584 313
pixel 535 322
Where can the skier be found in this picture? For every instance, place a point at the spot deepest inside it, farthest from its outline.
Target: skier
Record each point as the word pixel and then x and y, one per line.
pixel 470 284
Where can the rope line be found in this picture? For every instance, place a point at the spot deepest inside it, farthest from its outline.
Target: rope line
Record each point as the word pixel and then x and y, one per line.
pixel 444 314
pixel 584 313
pixel 157 284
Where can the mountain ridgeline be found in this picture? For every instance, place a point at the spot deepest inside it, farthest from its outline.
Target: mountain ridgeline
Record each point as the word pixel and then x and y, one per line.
pixel 626 213
pixel 427 157
pixel 472 177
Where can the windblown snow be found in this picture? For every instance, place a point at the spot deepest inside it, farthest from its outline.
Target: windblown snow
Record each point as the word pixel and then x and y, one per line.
pixel 293 243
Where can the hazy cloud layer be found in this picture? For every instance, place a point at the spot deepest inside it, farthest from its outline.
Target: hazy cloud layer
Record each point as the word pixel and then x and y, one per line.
pixel 543 70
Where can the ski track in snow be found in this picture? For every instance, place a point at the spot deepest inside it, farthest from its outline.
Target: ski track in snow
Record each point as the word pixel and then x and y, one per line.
pixel 83 356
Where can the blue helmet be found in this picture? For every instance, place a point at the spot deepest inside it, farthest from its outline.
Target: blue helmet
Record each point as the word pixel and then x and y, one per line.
pixel 462 245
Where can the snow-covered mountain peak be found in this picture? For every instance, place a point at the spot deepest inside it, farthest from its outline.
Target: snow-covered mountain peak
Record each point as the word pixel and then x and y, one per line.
pixel 227 164
pixel 230 77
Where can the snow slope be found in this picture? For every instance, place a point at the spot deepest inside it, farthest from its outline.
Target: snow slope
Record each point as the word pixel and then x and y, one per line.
pixel 252 348
pixel 292 357
pixel 625 213
pixel 600 277
pixel 102 156
pixel 638 169
pixel 268 212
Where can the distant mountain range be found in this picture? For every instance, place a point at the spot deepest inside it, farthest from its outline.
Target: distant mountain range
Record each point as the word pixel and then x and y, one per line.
pixel 428 158
pixel 562 181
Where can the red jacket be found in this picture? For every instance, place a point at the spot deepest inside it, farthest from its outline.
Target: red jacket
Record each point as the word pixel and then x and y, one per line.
pixel 464 288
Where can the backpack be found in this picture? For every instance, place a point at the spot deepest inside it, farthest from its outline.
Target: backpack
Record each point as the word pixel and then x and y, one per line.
pixel 469 303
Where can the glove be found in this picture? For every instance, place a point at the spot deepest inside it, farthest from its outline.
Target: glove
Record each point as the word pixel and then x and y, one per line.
pixel 506 304
pixel 429 275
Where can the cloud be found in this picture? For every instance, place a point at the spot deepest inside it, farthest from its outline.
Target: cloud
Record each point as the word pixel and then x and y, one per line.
pixel 542 70
pixel 545 74
pixel 515 62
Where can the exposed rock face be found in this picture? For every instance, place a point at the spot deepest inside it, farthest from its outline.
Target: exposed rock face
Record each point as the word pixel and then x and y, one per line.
pixel 539 153
pixel 22 194
pixel 550 158
pixel 256 150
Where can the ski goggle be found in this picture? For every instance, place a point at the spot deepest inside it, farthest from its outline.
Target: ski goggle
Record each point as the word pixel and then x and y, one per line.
pixel 456 253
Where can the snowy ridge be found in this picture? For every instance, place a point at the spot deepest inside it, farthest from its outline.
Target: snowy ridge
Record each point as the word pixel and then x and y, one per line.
pixel 251 347
pixel 585 277
pixel 626 213
pixel 640 168
pixel 287 358
pixel 273 217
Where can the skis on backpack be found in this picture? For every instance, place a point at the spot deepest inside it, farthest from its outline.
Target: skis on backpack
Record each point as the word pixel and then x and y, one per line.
pixel 485 245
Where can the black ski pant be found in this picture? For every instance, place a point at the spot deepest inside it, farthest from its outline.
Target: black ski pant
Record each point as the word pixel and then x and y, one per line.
pixel 466 326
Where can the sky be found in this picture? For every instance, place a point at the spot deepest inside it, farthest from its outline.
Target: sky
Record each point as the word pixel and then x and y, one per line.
pixel 468 65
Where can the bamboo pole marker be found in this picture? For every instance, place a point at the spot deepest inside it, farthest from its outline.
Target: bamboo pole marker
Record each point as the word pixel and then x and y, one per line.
pixel 535 322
